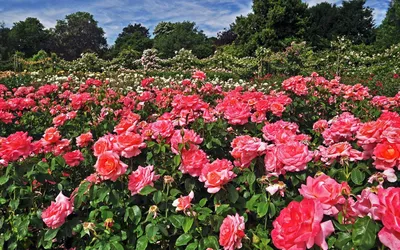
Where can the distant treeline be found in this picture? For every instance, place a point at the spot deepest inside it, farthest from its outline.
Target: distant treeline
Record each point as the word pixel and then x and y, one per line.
pixel 273 24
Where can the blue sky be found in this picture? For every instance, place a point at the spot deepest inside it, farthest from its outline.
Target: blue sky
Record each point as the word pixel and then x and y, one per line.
pixel 210 15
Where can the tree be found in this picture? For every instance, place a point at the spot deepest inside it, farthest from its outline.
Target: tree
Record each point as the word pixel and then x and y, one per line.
pixel 388 32
pixel 322 29
pixel 356 22
pixel 28 36
pixel 225 37
pixel 171 37
pixel 133 37
pixel 77 34
pixel 4 44
pixel 273 24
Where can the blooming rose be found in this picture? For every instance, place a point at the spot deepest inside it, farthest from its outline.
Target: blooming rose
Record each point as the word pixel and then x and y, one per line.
pixel 320 125
pixel 231 232
pixel 327 191
pixel 389 200
pixel 103 144
pixel 73 158
pixel 130 144
pixel 16 145
pixel 84 139
pixel 162 128
pixel 189 136
pixel 193 161
pixel 51 136
pixel 59 120
pixel 109 166
pixel 183 203
pixel 367 204
pixel 140 178
pixel 299 226
pixel 245 149
pixel 54 216
pixel 216 174
pixel 292 156
pixel 386 155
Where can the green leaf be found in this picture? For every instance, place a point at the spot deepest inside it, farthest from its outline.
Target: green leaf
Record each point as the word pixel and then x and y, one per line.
pixel 176 220
pixel 115 245
pixel 222 208
pixel 233 194
pixel 192 246
pixel 137 214
pixel 151 232
pixel 262 209
pixel 157 197
pixel 147 190
pixel 187 224
pixel 142 243
pixel 50 234
pixel 183 240
pixel 203 202
pixel 364 233
pixel 357 176
pixel 177 160
pixel 343 241
pixel 3 179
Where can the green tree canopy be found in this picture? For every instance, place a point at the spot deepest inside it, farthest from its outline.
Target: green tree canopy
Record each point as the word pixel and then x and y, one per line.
pixel 77 34
pixel 356 22
pixel 28 36
pixel 133 37
pixel 389 31
pixel 171 37
pixel 273 24
pixel 4 44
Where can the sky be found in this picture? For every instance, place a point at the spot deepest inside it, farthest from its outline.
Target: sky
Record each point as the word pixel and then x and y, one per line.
pixel 210 16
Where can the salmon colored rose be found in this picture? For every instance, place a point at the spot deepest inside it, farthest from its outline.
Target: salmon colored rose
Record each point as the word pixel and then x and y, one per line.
pixel 184 202
pixel 51 136
pixel 73 158
pixel 130 144
pixel 54 216
pixel 162 128
pixel 389 200
pixel 216 174
pixel 300 226
pixel 231 232
pixel 84 139
pixel 103 144
pixel 327 191
pixel 193 161
pixel 109 166
pixel 140 178
pixel 386 156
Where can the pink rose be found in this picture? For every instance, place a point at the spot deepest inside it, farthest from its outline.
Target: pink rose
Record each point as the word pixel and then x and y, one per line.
pixel 327 191
pixel 54 216
pixel 109 166
pixel 199 75
pixel 189 136
pixel 140 178
pixel 231 232
pixel 193 161
pixel 84 139
pixel 367 204
pixel 245 149
pixel 389 238
pixel 299 226
pixel 216 174
pixel 59 120
pixel 162 128
pixel 389 210
pixel 73 158
pixel 129 144
pixel 103 144
pixel 15 146
pixel 183 203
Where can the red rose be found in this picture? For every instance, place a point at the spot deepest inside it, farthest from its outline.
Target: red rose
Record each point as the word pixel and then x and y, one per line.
pixel 73 158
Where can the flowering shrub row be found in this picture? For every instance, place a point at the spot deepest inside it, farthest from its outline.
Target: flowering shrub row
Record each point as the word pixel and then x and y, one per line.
pixel 313 163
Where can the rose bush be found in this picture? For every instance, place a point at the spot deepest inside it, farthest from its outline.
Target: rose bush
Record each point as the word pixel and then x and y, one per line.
pixel 192 164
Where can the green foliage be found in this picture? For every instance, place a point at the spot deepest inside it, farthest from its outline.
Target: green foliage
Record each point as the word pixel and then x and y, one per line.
pixel 77 34
pixel 133 37
pixel 388 32
pixel 171 37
